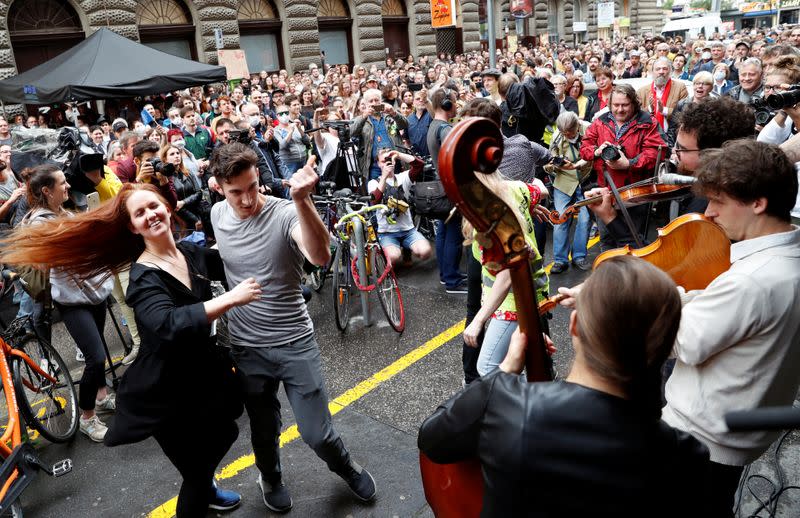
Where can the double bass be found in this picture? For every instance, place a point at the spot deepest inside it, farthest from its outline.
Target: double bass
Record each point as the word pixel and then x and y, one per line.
pixel 475 147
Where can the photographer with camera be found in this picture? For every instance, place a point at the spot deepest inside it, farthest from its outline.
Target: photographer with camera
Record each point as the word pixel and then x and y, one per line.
pixel 624 141
pixel 782 93
pixel 392 189
pixel 333 143
pixel 145 158
pixel 378 127
pixel 188 188
pixel 292 139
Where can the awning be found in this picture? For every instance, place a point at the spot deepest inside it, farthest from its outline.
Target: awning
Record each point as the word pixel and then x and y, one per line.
pixel 754 14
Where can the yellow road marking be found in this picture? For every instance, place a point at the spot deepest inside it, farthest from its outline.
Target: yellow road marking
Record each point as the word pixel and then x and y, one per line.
pixel 167 509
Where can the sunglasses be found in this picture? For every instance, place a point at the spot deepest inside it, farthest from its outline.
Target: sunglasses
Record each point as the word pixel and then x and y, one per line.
pixel 283 113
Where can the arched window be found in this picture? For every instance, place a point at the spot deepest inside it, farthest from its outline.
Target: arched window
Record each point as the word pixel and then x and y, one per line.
pixel 395 28
pixel 335 32
pixel 260 35
pixel 167 25
pixel 41 30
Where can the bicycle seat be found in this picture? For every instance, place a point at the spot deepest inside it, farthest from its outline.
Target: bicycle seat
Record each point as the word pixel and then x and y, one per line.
pixel 343 193
pixel 327 186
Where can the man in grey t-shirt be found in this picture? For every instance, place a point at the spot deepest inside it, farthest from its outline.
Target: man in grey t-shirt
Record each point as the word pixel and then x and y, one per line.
pixel 267 238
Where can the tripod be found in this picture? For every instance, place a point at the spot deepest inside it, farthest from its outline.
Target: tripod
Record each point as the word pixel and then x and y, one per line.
pixel 345 172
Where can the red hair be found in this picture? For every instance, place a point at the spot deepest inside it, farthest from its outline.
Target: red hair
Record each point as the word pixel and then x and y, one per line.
pixel 90 243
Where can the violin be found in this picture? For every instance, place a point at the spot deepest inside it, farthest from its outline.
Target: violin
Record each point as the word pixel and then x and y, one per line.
pixel 649 190
pixel 473 148
pixel 690 249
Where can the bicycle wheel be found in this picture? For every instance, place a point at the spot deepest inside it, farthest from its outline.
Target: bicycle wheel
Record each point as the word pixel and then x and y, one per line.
pixel 388 291
pixel 342 283
pixel 15 511
pixel 49 408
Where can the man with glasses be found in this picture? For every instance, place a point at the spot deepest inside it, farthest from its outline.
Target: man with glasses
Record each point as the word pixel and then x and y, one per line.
pixel 560 89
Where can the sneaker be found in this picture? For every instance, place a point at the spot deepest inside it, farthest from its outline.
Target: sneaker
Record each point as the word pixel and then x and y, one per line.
pixel 107 404
pixel 277 498
pixel 459 288
pixel 128 359
pixel 360 482
pixel 94 428
pixel 582 264
pixel 224 499
pixel 559 268
pixel 79 355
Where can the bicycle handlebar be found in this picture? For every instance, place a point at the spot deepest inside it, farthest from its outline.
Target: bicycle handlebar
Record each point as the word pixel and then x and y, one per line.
pixel 359 214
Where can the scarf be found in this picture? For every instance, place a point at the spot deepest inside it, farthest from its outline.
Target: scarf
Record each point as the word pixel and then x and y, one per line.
pixel 658 114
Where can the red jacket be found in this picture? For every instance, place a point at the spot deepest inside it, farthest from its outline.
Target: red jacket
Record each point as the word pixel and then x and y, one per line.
pixel 639 142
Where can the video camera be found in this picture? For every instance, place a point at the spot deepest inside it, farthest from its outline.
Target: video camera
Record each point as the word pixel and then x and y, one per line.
pixel 764 113
pixel 342 128
pixel 784 99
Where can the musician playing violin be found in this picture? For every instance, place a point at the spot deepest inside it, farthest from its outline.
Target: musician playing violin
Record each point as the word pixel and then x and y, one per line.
pixel 738 345
pixel 592 444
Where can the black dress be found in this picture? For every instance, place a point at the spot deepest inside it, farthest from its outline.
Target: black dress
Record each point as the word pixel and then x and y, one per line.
pixel 561 449
pixel 180 373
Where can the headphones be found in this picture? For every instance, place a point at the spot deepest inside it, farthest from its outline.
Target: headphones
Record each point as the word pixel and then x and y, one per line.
pixel 447 104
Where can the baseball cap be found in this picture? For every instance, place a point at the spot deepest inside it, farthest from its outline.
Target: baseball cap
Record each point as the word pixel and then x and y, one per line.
pixel 119 125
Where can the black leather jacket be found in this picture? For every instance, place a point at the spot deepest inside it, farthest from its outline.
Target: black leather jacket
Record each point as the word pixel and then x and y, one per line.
pixel 561 449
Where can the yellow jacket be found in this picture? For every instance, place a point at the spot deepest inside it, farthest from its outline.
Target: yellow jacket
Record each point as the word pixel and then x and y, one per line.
pixel 109 186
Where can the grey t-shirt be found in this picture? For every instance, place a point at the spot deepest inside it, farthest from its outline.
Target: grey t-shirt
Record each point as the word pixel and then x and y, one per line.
pixel 262 247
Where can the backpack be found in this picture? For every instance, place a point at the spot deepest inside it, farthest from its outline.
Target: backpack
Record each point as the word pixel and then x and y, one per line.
pixel 427 196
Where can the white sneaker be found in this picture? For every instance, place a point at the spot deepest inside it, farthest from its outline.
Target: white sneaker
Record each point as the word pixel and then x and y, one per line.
pixel 94 428
pixel 79 355
pixel 107 404
pixel 127 360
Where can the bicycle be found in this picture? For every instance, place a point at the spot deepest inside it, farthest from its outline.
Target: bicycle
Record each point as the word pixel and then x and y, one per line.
pixel 360 262
pixel 39 392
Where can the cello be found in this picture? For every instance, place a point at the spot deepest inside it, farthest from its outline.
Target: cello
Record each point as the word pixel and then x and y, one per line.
pixel 474 148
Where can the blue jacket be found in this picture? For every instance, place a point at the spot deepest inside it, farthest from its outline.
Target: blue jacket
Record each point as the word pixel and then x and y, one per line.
pixel 418 132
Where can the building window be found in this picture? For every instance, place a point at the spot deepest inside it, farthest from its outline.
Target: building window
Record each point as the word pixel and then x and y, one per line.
pixel 395 29
pixel 41 30
pixel 167 25
pixel 260 35
pixel 335 32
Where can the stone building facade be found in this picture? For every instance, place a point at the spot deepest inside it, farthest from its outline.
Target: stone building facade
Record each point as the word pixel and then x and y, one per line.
pixel 282 33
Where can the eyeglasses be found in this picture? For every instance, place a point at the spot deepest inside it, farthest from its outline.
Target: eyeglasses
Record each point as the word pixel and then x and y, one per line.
pixel 773 88
pixel 680 149
pixel 283 113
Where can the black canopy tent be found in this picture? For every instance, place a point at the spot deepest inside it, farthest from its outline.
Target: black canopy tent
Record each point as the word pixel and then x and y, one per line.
pixel 106 65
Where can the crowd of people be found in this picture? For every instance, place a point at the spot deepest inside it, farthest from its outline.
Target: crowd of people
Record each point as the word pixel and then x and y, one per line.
pixel 236 163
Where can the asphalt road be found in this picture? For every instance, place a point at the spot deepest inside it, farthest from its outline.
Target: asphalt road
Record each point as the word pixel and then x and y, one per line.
pixel 382 385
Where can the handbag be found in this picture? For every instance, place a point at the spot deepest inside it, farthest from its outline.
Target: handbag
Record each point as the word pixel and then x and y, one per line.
pixel 430 200
pixel 34 281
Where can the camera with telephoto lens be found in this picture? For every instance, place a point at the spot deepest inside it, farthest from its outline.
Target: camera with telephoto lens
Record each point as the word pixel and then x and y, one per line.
pixel 764 113
pixel 341 127
pixel 161 167
pixel 558 161
pixel 785 99
pixel 610 153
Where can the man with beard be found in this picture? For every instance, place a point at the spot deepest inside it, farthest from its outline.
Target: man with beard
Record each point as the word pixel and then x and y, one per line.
pixel 592 63
pixel 661 96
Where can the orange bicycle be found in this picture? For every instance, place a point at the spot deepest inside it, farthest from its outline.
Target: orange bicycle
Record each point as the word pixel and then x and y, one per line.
pixel 33 371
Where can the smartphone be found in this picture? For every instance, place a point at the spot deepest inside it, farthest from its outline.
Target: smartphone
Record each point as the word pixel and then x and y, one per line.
pixel 92 200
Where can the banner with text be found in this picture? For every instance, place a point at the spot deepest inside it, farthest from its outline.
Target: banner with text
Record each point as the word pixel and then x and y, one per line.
pixel 605 14
pixel 443 13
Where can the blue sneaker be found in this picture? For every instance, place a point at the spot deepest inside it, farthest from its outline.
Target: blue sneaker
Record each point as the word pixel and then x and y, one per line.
pixel 224 500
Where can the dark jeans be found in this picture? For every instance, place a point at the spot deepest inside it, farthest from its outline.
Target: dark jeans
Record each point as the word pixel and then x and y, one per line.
pixel 298 365
pixel 448 251
pixel 85 324
pixel 723 482
pixel 469 355
pixel 196 451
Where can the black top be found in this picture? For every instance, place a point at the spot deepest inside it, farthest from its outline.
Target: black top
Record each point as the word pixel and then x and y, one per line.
pixel 561 449
pixel 179 371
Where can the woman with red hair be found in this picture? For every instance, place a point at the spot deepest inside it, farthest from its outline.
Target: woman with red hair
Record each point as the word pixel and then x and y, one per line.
pixel 170 293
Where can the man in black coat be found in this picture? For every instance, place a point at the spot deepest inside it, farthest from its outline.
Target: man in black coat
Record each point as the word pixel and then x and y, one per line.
pixel 528 107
